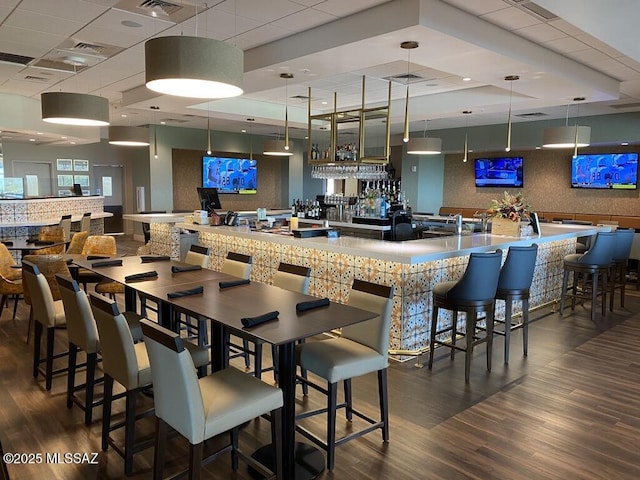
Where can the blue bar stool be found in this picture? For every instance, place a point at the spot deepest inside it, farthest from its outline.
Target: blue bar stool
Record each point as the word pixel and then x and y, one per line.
pixel 474 293
pixel 595 262
pixel 514 283
pixel 621 253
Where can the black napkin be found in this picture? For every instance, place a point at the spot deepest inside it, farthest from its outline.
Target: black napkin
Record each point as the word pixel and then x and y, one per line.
pixel 189 268
pixel 32 240
pixel 141 276
pixel 97 257
pixel 8 243
pixel 107 263
pixel 186 293
pixel 253 321
pixel 154 258
pixel 234 283
pixel 311 304
pixel 44 242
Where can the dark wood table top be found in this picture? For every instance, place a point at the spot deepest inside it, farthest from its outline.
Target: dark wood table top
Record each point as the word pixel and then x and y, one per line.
pixel 20 243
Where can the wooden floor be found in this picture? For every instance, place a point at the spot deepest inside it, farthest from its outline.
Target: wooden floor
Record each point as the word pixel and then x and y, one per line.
pixel 570 410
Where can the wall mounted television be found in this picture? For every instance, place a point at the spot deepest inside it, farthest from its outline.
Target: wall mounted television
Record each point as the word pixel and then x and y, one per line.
pixel 230 175
pixel 499 172
pixel 605 170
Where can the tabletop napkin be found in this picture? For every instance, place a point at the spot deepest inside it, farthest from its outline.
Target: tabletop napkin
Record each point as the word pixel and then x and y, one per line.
pixel 311 304
pixel 234 283
pixel 141 276
pixel 154 258
pixel 107 263
pixel 8 243
pixel 253 321
pixel 186 293
pixel 97 257
pixel 32 240
pixel 189 268
pixel 44 242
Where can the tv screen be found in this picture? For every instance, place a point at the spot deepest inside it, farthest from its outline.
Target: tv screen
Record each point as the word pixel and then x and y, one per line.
pixel 230 175
pixel 605 170
pixel 209 199
pixel 499 172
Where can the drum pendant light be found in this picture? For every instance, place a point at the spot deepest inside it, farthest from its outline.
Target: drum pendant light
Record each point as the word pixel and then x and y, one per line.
pixel 194 67
pixel 424 145
pixel 410 45
pixel 68 108
pixel 128 136
pixel 567 136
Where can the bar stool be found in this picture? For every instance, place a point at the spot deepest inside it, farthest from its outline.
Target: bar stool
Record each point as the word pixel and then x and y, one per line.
pixel 514 283
pixel 474 293
pixel 238 265
pixel 621 253
pixel 595 262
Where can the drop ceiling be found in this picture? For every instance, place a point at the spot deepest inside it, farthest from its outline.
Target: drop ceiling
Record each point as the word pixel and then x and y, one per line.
pixel 97 47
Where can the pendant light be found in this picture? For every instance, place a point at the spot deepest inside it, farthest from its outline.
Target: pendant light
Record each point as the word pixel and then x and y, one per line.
pixel 466 137
pixel 74 109
pixel 208 131
pixel 250 137
pixel 410 45
pixel 281 148
pixel 567 136
pixel 127 136
pixel 511 79
pixel 424 145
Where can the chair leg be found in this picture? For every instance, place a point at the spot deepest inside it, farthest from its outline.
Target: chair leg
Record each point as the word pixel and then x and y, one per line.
pixel 51 335
pixel 489 326
pixel 525 326
pixel 106 411
pixel 432 336
pixel 90 379
pixel 563 293
pixel 37 340
pixel 594 296
pixel 469 345
pixel 160 446
pixel 15 305
pixel 348 399
pixel 245 346
pixel 30 325
pixel 276 441
pixel 507 327
pixel 129 430
pixel 454 334
pixel 71 374
pixel 195 461
pixel 257 351
pixel 234 448
pixel 332 398
pixel 384 403
pixel 274 357
pixel 623 282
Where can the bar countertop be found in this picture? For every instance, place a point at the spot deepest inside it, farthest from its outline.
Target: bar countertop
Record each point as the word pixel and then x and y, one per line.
pixel 412 251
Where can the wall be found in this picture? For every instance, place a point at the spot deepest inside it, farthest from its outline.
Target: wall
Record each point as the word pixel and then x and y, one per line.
pixel 187 175
pixel 547 184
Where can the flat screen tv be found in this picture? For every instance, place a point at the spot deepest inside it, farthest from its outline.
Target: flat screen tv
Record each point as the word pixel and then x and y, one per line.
pixel 230 175
pixel 605 170
pixel 499 172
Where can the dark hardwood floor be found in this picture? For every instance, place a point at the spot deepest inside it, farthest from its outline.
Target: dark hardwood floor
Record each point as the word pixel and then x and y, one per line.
pixel 570 410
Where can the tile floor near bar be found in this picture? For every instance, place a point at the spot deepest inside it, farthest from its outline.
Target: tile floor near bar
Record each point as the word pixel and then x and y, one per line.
pixel 570 410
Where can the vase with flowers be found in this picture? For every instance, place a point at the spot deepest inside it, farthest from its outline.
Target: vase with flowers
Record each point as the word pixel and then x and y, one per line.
pixel 507 213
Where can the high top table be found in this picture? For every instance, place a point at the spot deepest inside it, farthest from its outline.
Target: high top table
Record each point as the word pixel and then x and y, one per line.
pixel 225 308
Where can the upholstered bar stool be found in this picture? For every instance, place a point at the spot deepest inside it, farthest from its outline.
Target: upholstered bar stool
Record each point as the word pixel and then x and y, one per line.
pixel 621 253
pixel 474 293
pixel 361 349
pixel 514 283
pixel 595 262
pixel 10 279
pixel 199 409
pixel 238 265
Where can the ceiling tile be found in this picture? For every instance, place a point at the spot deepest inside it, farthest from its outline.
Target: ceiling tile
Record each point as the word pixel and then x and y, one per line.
pixel 565 27
pixel 342 8
pixel 511 18
pixel 304 20
pixel 478 7
pixel 308 3
pixel 566 45
pixel 43 23
pixel 599 45
pixel 260 10
pixel 263 34
pixel 540 33
pixel 29 38
pixel 71 10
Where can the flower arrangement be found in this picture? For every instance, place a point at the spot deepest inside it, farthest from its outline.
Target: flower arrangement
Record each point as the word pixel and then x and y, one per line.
pixel 512 207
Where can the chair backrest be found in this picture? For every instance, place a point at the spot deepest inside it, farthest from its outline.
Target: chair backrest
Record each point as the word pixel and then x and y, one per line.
pixel 198 255
pixel 119 359
pixel 81 326
pixel 51 233
pixel 65 224
pixel 374 298
pixel 480 279
pixel 624 240
pixel 635 247
pixel 85 222
pixel 601 251
pixel 6 261
pixel 237 264
pixel 42 301
pixel 177 396
pixel 517 271
pixel 293 277
pixel 77 242
pixel 49 266
pixel 100 245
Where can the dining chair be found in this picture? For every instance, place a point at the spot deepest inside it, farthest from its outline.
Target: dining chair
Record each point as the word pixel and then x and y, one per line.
pixel 362 348
pixel 77 243
pixel 10 280
pixel 473 294
pixel 47 311
pixel 200 409
pixel 85 222
pixel 104 245
pixel 65 224
pixel 51 233
pixel 621 253
pixel 516 276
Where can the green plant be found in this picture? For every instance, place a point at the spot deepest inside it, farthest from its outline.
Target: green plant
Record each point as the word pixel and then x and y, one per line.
pixel 509 206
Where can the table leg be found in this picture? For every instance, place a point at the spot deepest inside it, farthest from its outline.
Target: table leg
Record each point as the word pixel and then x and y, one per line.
pixel 218 340
pixel 130 299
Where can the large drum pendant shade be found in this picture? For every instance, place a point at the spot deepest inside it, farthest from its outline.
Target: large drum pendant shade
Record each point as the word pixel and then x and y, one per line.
pixel 424 146
pixel 276 148
pixel 565 137
pixel 74 109
pixel 193 67
pixel 127 136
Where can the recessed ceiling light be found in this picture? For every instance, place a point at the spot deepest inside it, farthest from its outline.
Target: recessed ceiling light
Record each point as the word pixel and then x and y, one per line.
pixel 163 123
pixel 130 23
pixel 243 130
pixel 72 143
pixel 123 115
pixel 32 139
pixel 466 79
pixel 63 138
pixel 323 102
pixel 624 144
pixel 38 133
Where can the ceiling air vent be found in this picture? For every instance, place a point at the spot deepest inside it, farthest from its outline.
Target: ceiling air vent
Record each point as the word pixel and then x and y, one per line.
pixel 167 8
pixel 15 59
pixel 531 115
pixel 173 120
pixel 176 12
pixel 33 78
pixel 300 97
pixel 405 78
pixel 538 10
